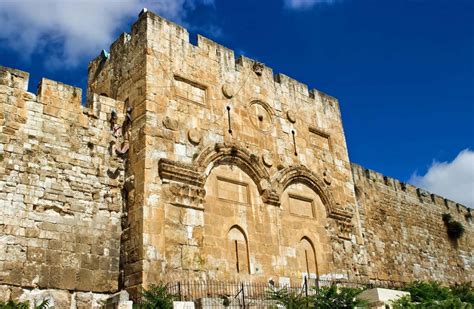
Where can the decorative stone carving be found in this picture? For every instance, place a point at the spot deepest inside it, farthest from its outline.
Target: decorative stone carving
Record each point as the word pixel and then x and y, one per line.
pixel 171 124
pixel 228 90
pixel 194 136
pixel 260 115
pixel 267 159
pixel 344 229
pixel 271 197
pixel 327 177
pixel 258 68
pixel 291 116
pixel 187 195
pixel 179 172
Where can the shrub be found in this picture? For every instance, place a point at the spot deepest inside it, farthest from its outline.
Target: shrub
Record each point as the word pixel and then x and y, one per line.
pixel 421 291
pixel 11 304
pixel 289 299
pixel 464 292
pixel 455 229
pixel 324 298
pixel 156 297
pixel 433 295
pixel 338 298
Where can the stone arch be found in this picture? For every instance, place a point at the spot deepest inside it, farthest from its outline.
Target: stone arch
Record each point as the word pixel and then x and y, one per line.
pixel 301 174
pixel 307 254
pixel 240 249
pixel 233 154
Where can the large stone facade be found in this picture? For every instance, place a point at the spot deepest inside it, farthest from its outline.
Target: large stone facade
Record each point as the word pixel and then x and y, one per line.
pixel 187 164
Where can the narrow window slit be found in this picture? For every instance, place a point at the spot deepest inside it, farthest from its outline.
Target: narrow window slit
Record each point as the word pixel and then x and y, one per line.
pixel 294 142
pixel 228 119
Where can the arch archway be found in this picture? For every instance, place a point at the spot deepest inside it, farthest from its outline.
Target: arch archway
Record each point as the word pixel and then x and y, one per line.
pixel 238 248
pixel 301 174
pixel 305 218
pixel 231 217
pixel 307 260
pixel 235 155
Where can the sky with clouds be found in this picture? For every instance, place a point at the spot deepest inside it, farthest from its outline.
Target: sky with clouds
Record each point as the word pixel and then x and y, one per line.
pixel 403 70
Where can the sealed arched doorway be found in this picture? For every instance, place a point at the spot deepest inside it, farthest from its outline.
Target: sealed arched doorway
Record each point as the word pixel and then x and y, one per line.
pixel 238 245
pixel 304 221
pixel 233 217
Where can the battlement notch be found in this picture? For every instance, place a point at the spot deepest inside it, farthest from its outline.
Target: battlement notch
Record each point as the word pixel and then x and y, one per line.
pixel 14 78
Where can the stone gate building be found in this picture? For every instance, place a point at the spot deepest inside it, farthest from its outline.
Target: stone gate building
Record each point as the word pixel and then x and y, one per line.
pixel 186 163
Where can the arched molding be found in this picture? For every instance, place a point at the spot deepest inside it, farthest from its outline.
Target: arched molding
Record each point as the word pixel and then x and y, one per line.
pixel 233 154
pixel 195 175
pixel 187 181
pixel 241 230
pixel 301 174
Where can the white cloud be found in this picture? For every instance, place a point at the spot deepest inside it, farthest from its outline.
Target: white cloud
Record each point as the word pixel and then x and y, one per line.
pixel 69 30
pixel 305 4
pixel 453 180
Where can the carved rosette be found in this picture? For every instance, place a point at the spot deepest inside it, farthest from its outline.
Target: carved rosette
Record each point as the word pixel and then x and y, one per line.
pixel 194 136
pixel 291 116
pixel 228 90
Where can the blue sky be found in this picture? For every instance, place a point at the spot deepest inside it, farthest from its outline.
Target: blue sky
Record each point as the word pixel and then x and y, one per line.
pixel 403 70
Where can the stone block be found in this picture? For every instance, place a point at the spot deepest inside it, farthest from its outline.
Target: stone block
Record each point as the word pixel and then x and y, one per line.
pixel 381 298
pixel 191 258
pixel 85 279
pixel 183 305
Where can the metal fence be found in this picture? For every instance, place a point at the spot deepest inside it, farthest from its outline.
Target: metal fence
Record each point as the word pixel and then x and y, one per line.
pixel 223 294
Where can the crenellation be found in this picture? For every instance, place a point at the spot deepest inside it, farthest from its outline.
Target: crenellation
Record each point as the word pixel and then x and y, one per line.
pixel 158 26
pixel 362 174
pixel 216 51
pixel 14 78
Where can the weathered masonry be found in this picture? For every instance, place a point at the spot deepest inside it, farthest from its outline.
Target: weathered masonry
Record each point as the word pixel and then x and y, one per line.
pixel 186 163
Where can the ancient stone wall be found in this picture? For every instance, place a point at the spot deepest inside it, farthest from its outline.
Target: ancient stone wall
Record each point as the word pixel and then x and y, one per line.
pixel 60 188
pixel 192 164
pixel 405 234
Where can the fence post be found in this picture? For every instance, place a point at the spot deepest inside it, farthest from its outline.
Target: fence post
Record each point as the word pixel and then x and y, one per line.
pixel 243 294
pixel 306 286
pixel 179 291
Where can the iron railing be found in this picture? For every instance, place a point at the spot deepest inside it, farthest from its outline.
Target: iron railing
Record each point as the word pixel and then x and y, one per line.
pixel 226 294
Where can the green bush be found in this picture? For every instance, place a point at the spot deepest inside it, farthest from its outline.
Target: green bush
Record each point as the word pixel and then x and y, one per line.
pixel 338 298
pixel 11 304
pixel 156 297
pixel 331 297
pixel 464 292
pixel 289 299
pixel 433 295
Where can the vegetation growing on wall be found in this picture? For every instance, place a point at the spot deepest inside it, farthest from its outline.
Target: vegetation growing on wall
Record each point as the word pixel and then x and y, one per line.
pixel 454 228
